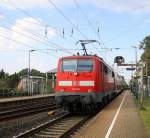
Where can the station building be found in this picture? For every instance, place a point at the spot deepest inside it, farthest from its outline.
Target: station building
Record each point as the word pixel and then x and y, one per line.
pixel 34 85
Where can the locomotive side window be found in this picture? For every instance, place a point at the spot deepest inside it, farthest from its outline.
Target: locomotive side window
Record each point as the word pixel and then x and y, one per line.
pixel 105 69
pixel 69 65
pixel 85 65
pixel 113 75
pixel 109 73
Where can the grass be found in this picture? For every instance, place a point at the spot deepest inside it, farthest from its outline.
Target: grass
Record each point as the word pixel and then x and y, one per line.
pixel 145 115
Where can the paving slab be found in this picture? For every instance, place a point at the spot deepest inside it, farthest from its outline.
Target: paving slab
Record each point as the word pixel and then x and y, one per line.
pixel 120 119
pixel 11 99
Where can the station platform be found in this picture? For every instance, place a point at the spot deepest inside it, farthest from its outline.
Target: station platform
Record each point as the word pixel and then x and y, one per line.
pixel 120 119
pixel 20 98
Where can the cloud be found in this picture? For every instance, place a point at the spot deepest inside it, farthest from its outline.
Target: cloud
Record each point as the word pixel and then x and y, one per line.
pixel 28 31
pixel 114 5
pixel 15 61
pixel 4 43
pixel 2 16
pixel 12 4
pixel 124 5
pixel 28 4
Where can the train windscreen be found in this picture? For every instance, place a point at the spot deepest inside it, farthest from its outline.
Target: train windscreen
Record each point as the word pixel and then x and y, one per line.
pixel 77 65
pixel 69 65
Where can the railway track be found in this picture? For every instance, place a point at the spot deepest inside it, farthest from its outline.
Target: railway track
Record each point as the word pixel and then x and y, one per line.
pixel 26 110
pixel 61 126
pixel 19 104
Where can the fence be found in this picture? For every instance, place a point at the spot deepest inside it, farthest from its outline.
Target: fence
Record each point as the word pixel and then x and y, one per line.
pixel 9 92
pixel 137 87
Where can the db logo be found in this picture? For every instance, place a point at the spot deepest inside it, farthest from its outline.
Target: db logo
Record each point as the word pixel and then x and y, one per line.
pixel 75 89
pixel 75 83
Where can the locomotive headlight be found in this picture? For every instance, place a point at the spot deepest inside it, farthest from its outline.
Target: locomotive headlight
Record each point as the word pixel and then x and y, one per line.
pixel 87 83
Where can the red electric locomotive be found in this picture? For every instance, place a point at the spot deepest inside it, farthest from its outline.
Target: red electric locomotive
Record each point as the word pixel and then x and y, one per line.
pixel 84 82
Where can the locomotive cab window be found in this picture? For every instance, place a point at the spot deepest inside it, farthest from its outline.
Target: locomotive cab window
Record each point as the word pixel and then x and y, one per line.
pixel 77 65
pixel 85 65
pixel 69 65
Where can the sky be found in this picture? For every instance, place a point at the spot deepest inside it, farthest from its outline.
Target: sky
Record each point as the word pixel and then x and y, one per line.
pixel 52 28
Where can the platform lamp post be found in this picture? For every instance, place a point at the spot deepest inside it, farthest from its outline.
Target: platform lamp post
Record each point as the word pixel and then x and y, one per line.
pixel 135 47
pixel 29 72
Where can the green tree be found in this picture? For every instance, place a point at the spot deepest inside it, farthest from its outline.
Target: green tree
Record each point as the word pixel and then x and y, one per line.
pixel 145 45
pixel 3 79
pixel 2 74
pixel 23 72
pixel 35 72
pixel 13 80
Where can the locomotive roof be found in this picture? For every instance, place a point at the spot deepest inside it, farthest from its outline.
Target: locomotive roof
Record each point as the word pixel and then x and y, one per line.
pixel 80 56
pixel 87 57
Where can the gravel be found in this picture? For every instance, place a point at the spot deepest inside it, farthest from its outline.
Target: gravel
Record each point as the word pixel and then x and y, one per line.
pixel 11 128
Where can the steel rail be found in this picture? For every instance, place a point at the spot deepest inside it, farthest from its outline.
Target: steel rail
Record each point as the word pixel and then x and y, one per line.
pixel 60 127
pixel 26 111
pixel 42 126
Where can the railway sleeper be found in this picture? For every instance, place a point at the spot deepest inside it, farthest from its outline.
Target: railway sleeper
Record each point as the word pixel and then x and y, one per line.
pixel 43 136
pixel 66 122
pixel 51 133
pixel 61 125
pixel 56 130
